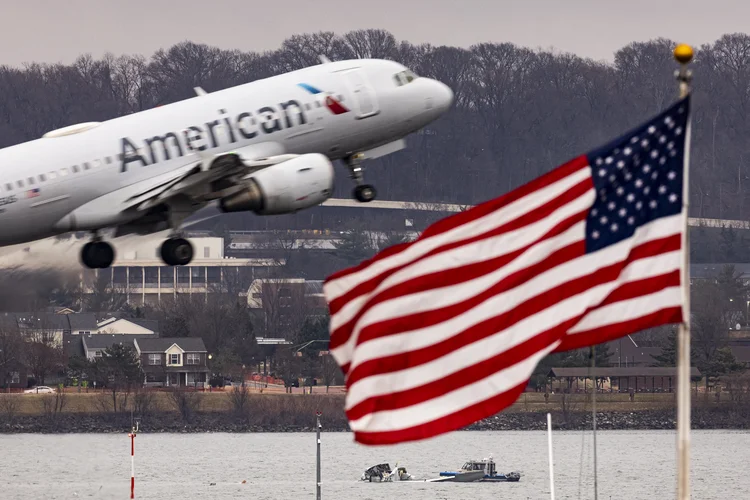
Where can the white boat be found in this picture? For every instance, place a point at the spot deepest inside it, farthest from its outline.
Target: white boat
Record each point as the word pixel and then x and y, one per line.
pixel 479 471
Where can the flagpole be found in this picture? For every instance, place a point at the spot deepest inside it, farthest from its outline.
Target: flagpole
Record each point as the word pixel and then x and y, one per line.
pixel 684 54
pixel 593 412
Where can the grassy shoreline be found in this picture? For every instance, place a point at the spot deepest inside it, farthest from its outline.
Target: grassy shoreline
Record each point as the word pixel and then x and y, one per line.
pixel 225 411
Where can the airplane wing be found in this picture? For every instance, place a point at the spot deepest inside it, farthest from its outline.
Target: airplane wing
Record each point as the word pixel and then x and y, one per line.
pixel 194 179
pixel 202 179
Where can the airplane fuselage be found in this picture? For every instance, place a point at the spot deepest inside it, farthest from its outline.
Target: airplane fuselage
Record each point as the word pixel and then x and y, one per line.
pixel 334 109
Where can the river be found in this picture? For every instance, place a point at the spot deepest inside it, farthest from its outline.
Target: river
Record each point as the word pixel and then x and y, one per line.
pixel 632 465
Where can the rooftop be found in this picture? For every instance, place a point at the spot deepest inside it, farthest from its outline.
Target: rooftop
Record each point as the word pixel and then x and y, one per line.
pixel 188 344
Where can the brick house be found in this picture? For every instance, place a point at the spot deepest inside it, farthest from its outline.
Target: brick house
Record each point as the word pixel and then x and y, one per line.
pixel 178 361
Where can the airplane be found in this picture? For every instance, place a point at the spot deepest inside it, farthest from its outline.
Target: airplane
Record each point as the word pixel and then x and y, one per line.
pixel 266 146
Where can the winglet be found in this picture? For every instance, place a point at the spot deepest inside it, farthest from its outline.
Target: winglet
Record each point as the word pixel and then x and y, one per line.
pixel 199 91
pixel 323 59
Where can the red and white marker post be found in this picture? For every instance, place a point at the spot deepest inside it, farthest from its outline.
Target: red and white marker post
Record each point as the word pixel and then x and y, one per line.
pixel 131 435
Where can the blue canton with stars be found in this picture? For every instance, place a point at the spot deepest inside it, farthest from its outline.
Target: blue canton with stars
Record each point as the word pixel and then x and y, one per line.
pixel 638 177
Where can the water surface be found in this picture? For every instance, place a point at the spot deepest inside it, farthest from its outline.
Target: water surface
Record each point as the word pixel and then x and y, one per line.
pixel 632 465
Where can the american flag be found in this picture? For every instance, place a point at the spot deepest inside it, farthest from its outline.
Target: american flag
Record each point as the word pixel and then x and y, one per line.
pixel 439 333
pixel 32 193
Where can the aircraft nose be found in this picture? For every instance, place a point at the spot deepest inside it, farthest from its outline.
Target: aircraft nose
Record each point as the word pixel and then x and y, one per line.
pixel 441 94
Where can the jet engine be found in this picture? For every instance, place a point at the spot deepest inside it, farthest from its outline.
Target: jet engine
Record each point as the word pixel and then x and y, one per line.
pixel 284 188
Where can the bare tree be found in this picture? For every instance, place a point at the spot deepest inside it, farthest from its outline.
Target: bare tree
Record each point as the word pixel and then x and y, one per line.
pixel 186 401
pixel 54 404
pixel 330 369
pixel 239 397
pixel 144 402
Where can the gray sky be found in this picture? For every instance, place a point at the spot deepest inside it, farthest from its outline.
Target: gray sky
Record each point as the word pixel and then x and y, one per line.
pixel 59 31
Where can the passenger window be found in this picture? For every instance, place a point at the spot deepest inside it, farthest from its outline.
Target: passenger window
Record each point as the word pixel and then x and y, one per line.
pixel 19 183
pixel 63 172
pixel 74 168
pixel 52 175
pixel 31 181
pixel 86 166
pixel 42 178
pixel 9 187
pixel 108 159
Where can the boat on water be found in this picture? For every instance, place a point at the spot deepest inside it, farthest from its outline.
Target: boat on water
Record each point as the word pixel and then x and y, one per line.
pixel 479 471
pixel 382 473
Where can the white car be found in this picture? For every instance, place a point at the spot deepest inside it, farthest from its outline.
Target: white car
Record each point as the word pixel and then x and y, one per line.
pixel 42 389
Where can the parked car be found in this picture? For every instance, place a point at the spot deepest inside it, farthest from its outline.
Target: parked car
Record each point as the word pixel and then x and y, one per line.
pixel 41 389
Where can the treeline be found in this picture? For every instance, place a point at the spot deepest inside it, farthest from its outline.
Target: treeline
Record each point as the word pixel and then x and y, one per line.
pixel 518 111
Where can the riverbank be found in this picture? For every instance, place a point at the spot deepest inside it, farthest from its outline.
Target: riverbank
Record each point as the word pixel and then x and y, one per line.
pixel 334 420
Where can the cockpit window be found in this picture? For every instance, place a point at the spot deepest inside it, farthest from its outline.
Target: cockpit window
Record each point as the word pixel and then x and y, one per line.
pixel 404 77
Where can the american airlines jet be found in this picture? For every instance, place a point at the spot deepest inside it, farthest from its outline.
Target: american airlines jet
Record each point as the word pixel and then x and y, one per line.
pixel 265 147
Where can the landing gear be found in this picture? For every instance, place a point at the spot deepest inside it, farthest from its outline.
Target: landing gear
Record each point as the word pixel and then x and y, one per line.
pixel 97 255
pixel 177 252
pixel 363 192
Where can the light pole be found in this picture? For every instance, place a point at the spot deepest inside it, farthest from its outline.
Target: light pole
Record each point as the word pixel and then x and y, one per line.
pixel 210 373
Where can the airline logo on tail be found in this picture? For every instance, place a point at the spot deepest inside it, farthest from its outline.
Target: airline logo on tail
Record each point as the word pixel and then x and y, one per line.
pixel 332 104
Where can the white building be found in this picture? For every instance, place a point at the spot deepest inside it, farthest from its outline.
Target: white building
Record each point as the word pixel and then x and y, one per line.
pixel 139 273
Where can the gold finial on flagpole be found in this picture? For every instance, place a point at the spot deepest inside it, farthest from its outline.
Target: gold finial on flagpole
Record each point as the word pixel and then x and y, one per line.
pixel 683 54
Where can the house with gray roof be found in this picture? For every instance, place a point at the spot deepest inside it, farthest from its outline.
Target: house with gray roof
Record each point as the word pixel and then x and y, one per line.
pixel 173 361
pixel 82 323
